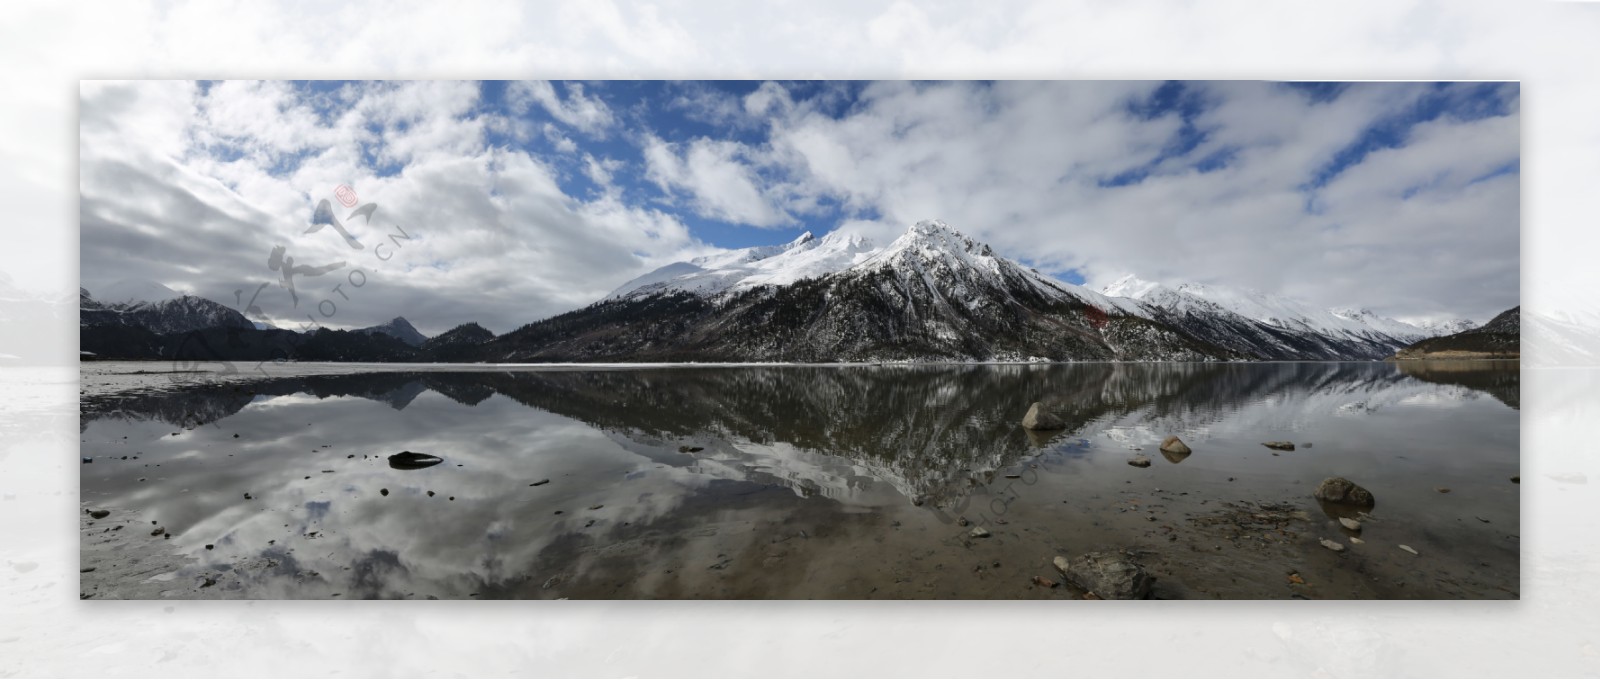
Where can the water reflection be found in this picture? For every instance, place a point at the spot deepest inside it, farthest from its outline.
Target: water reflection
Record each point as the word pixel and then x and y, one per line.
pixel 640 458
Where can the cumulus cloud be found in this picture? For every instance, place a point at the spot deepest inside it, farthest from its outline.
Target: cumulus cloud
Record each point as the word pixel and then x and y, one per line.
pixel 717 176
pixel 1259 185
pixel 179 186
pixel 578 110
pixel 1403 198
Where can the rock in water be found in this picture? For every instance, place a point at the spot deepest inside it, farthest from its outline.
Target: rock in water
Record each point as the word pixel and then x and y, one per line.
pixel 1336 547
pixel 1281 446
pixel 1341 490
pixel 1408 549
pixel 409 460
pixel 1139 461
pixel 1174 445
pixel 1040 419
pixel 979 532
pixel 1350 524
pixel 1109 576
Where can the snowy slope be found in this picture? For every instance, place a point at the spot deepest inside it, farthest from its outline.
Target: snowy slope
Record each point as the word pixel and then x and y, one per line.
pixel 738 270
pixel 1434 329
pixel 953 266
pixel 1273 310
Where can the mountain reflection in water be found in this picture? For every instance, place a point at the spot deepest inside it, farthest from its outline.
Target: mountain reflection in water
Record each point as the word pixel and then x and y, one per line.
pixel 651 449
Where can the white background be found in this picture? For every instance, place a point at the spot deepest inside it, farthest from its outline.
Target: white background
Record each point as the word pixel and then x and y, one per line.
pixel 1551 47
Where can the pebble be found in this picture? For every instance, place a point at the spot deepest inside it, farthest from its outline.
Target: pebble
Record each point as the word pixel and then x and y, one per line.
pixel 596 507
pixel 383 492
pixel 979 532
pixel 1517 479
pixel 430 494
pixel 1331 545
pixel 1139 461
pixel 210 546
pixel 1043 582
pixel 962 521
pixel 1408 549
pixel 541 482
pixel 1442 489
pixel 1350 524
pixel 100 514
pixel 1356 541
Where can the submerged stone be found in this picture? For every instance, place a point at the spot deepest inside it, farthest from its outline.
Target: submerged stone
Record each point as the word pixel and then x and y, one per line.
pixel 1038 418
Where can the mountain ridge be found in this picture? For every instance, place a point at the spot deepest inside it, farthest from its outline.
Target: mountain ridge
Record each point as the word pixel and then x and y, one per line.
pixel 932 294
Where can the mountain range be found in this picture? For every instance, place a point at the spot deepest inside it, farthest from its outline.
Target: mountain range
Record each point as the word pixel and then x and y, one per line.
pixel 932 294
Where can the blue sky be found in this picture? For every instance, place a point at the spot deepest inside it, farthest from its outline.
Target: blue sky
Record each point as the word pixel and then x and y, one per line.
pixel 537 197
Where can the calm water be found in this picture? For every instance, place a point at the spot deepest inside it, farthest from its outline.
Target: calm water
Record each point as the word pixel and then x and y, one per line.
pixel 792 482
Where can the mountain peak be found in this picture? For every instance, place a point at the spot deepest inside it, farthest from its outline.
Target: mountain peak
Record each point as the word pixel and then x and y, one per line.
pixel 931 227
pixel 801 240
pixel 929 235
pixel 398 328
pixel 1130 286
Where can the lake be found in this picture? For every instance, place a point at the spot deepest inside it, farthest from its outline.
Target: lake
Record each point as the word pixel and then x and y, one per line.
pixel 796 481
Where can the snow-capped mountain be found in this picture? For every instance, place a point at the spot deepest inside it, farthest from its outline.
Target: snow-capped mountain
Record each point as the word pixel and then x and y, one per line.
pixel 1269 326
pixel 180 314
pixel 400 329
pixel 1434 329
pixel 736 270
pixel 931 294
pixel 1500 338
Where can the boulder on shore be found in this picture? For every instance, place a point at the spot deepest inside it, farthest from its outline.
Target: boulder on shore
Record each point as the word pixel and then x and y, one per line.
pixel 1174 445
pixel 1109 576
pixel 1343 491
pixel 1038 418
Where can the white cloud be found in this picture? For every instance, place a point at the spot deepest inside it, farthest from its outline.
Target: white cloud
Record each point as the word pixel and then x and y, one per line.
pixel 721 184
pixel 182 188
pixel 1021 165
pixel 578 110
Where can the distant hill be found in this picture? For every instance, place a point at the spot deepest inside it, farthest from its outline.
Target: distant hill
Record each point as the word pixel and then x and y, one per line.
pixel 1501 338
pixel 399 329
